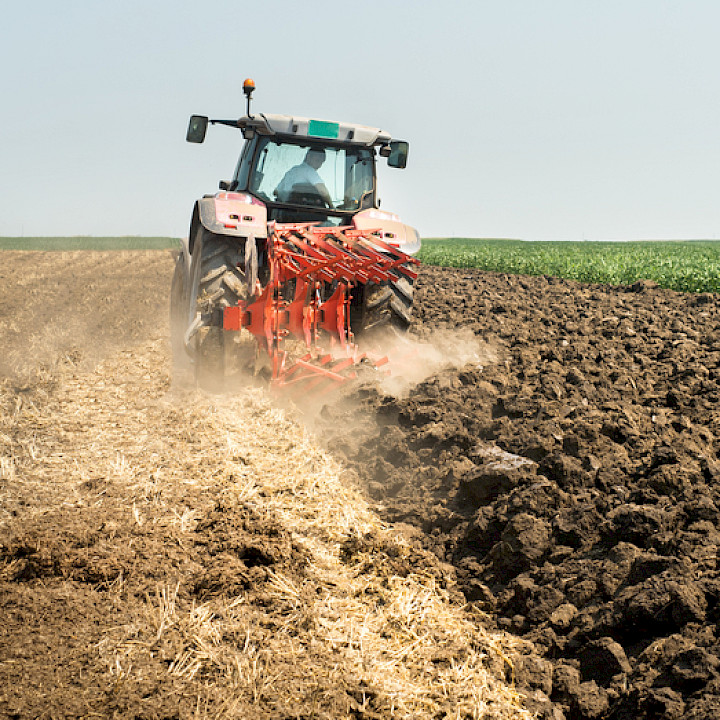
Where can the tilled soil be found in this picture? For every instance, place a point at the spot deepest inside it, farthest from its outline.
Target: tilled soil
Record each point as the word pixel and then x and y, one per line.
pixel 170 554
pixel 571 481
pixel 574 484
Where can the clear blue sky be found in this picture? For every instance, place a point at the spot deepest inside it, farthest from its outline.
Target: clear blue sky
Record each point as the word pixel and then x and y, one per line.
pixel 536 119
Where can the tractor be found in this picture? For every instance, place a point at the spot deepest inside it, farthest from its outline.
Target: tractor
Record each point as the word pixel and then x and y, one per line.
pixel 294 251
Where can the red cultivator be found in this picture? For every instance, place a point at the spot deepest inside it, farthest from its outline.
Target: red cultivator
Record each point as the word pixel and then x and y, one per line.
pixel 313 272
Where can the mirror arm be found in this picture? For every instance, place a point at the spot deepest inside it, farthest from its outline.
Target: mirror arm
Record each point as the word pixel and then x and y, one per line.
pixel 229 123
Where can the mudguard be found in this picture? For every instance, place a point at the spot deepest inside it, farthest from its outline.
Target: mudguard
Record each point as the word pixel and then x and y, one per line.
pixel 235 214
pixel 389 228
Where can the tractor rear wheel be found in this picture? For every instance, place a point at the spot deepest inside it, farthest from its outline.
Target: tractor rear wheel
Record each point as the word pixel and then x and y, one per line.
pixel 178 313
pixel 217 282
pixel 386 308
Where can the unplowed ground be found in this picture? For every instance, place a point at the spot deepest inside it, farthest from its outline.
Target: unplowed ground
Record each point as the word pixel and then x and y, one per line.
pixel 168 554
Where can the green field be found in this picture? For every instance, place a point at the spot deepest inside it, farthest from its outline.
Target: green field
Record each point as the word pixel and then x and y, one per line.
pixel 688 266
pixel 84 242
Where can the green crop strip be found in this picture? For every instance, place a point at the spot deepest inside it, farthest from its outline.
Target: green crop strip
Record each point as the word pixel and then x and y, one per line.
pixel 687 266
pixel 88 243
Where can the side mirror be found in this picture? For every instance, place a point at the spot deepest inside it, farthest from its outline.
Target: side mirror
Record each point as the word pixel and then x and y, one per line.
pixel 398 153
pixel 197 129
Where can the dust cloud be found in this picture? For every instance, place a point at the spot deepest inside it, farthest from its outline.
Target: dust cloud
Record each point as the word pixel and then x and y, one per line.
pixel 411 360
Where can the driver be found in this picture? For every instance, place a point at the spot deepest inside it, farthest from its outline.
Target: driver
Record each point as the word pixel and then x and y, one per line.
pixel 303 175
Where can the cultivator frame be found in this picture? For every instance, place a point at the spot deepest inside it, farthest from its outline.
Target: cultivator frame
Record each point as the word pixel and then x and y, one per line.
pixel 313 271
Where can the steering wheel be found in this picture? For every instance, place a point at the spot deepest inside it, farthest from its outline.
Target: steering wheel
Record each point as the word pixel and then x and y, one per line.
pixel 308 195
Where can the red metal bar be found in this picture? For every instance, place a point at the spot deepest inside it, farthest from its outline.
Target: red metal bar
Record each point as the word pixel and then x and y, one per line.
pixel 232 318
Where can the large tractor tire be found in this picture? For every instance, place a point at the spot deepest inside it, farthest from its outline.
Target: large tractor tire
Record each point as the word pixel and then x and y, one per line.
pixel 217 282
pixel 386 309
pixel 179 313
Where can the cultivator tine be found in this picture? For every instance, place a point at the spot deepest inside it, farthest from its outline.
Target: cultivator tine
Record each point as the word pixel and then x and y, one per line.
pixel 321 376
pixel 301 313
pixel 262 317
pixel 334 315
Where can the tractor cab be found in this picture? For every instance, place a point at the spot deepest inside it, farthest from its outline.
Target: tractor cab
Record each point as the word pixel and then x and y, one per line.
pixel 307 181
pixel 306 170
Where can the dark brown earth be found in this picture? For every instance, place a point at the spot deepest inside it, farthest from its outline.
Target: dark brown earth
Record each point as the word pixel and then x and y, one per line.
pixel 574 484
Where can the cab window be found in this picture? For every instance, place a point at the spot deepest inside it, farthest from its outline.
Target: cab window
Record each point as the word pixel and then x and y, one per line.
pixel 346 172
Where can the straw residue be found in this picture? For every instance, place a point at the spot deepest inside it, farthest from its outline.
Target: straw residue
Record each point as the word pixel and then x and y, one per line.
pixel 185 555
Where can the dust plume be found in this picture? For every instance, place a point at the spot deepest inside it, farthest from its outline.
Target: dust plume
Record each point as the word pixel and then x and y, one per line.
pixel 411 360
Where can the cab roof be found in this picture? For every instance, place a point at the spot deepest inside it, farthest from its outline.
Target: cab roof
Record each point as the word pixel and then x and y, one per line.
pixel 297 127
